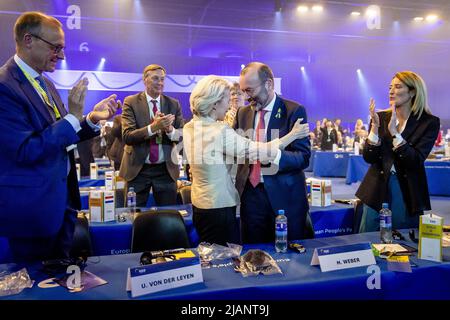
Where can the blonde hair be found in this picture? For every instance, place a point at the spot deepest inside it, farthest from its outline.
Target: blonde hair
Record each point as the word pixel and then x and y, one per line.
pixel 206 93
pixel 419 102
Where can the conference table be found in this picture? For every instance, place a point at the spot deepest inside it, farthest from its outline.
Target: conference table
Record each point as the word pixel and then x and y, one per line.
pixel 112 238
pixel 428 280
pixel 115 237
pixel 330 164
pixel 437 171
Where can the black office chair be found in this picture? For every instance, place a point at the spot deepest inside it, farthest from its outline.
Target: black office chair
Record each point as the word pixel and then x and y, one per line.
pixel 82 244
pixel 357 215
pixel 309 229
pixel 159 230
pixel 184 194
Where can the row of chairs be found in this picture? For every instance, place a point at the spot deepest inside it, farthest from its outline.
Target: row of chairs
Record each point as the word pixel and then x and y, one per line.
pixel 166 230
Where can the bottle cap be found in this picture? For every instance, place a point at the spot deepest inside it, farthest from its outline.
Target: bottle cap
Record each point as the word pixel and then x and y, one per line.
pixel 385 205
pixel 130 189
pixel 281 211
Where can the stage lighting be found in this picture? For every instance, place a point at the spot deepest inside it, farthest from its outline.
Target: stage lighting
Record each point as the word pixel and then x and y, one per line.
pixel 242 66
pixel 317 8
pixel 102 60
pixel 431 18
pixel 355 13
pixel 418 19
pixel 373 14
pixel 302 9
pixel 302 68
pixel 358 70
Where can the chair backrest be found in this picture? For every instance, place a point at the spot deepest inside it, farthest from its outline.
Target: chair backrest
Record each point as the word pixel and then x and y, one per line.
pixel 309 229
pixel 82 244
pixel 185 194
pixel 357 215
pixel 159 230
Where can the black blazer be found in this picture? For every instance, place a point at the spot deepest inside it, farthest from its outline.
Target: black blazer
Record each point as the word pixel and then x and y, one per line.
pixel 327 140
pixel 408 159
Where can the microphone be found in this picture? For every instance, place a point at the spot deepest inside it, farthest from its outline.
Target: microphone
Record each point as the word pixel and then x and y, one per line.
pixel 162 253
pixel 148 256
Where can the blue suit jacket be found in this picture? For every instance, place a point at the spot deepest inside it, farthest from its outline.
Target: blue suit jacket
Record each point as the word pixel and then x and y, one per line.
pixel 35 188
pixel 286 188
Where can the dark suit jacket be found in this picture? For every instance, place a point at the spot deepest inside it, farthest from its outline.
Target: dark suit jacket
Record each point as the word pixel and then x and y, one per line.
pixel 35 188
pixel 85 157
pixel 327 140
pixel 115 152
pixel 135 119
pixel 408 159
pixel 286 189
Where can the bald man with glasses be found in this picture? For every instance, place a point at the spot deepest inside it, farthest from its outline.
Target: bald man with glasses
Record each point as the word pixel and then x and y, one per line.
pixel 39 195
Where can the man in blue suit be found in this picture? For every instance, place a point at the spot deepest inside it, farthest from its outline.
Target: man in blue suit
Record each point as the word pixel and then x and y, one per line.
pixel 38 184
pixel 280 184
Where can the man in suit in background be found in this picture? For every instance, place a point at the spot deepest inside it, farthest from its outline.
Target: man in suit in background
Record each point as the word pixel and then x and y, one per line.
pixel 38 182
pixel 150 123
pixel 85 157
pixel 114 151
pixel 265 190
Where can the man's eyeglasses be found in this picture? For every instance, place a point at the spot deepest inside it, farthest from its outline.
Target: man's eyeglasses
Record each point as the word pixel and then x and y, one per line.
pixel 57 48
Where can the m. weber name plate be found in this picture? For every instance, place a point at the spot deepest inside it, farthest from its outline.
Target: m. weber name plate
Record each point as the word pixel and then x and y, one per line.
pixel 343 257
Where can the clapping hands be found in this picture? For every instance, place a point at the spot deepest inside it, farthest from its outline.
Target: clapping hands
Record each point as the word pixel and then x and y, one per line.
pixel 76 99
pixel 392 126
pixel 105 109
pixel 163 121
pixel 374 117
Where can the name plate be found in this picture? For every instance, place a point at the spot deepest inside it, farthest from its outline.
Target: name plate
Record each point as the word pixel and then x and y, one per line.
pixel 163 276
pixel 343 257
pixel 430 237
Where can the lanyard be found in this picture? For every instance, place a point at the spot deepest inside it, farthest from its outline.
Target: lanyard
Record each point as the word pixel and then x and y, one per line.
pixel 42 92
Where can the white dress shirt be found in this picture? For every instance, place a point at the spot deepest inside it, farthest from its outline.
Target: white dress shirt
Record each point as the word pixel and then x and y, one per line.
pixel 267 115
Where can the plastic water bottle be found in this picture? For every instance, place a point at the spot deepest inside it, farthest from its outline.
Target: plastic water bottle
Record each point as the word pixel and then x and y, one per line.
pixel 447 144
pixel 131 202
pixel 385 224
pixel 281 230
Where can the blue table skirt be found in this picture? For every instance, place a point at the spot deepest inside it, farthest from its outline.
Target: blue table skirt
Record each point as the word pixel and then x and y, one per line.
pixel 115 237
pixel 438 174
pixel 330 164
pixel 429 280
